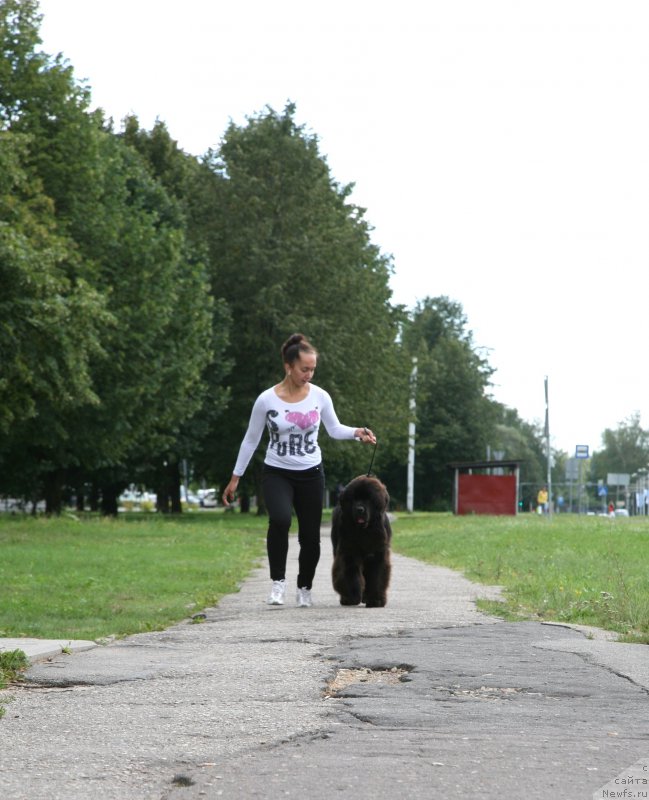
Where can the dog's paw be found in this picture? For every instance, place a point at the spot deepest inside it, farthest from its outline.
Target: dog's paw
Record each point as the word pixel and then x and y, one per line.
pixel 375 602
pixel 350 601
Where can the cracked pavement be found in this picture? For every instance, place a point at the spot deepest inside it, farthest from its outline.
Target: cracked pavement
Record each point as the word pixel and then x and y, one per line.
pixel 238 706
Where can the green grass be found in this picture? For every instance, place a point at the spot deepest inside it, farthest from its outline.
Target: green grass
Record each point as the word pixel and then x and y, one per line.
pixel 89 578
pixel 577 569
pixel 12 664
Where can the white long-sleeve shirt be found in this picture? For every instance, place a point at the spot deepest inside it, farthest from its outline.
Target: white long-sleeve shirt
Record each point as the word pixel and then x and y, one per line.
pixel 292 430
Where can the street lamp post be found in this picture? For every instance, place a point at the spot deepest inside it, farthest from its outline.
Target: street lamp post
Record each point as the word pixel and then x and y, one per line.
pixel 411 437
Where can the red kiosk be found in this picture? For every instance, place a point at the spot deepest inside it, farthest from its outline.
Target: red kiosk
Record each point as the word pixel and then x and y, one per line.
pixel 486 487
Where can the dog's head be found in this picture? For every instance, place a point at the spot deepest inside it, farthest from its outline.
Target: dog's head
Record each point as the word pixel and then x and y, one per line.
pixel 364 499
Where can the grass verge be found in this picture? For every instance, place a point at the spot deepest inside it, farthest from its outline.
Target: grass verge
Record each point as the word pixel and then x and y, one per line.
pixel 576 569
pixel 89 578
pixel 12 664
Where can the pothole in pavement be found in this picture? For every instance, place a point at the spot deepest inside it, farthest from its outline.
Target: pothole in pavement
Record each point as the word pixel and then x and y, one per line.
pixel 487 692
pixel 364 675
pixel 345 678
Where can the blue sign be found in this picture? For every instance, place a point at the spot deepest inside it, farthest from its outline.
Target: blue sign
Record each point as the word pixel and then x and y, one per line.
pixel 602 491
pixel 581 451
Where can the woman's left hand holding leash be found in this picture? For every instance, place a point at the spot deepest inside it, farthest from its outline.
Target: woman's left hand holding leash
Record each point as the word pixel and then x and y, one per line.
pixel 365 435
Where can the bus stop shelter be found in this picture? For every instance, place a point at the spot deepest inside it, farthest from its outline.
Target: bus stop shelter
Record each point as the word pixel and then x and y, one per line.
pixel 485 487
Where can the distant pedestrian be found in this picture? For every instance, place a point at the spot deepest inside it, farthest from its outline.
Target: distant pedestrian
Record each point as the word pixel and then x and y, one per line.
pixel 293 474
pixel 542 500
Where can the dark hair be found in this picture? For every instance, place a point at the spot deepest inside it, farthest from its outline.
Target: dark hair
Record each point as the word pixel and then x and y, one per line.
pixel 294 346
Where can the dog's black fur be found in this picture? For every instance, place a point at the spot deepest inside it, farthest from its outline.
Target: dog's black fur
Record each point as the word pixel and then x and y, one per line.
pixel 361 535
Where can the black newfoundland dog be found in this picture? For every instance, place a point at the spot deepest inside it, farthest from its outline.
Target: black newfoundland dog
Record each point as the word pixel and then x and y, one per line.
pixel 361 534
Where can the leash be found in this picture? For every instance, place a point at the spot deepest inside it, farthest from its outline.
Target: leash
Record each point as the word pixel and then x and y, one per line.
pixel 376 444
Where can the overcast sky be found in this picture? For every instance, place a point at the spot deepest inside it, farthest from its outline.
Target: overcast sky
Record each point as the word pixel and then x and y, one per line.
pixel 500 147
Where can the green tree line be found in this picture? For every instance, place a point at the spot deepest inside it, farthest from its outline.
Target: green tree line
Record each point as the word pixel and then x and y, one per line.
pixel 145 293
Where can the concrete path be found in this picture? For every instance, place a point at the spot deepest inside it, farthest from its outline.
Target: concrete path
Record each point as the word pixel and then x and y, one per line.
pixel 45 649
pixel 425 698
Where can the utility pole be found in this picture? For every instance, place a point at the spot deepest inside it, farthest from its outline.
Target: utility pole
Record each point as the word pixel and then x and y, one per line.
pixel 411 437
pixel 547 446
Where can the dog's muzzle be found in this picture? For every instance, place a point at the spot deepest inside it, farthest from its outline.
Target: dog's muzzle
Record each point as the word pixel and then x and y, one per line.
pixel 361 515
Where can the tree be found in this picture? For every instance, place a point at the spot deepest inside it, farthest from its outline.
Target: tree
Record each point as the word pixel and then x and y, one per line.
pixel 188 180
pixel 455 415
pixel 151 383
pixel 49 320
pixel 128 241
pixel 52 318
pixel 49 324
pixel 625 451
pixel 288 253
pixel 521 441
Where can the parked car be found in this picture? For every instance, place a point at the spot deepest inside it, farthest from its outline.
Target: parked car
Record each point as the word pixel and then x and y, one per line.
pixel 134 500
pixel 189 497
pixel 208 498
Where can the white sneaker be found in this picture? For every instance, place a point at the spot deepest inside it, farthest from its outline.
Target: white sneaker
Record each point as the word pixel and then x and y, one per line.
pixel 303 598
pixel 277 593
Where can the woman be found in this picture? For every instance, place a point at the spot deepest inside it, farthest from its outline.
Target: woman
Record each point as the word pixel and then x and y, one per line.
pixel 293 476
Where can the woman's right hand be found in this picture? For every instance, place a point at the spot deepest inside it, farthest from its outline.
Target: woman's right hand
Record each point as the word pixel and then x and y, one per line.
pixel 230 490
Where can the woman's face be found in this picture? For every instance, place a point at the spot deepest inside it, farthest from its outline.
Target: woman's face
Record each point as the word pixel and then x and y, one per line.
pixel 300 372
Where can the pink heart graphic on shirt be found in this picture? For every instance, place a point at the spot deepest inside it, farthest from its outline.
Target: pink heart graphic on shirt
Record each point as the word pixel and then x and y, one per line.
pixel 303 421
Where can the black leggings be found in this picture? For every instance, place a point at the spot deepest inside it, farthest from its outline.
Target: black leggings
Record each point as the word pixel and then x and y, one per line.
pixel 302 490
